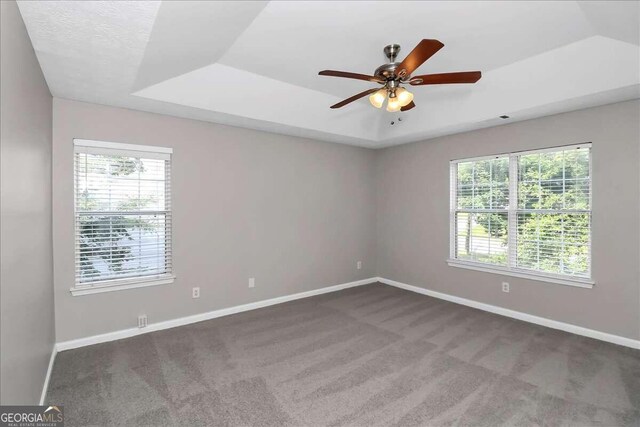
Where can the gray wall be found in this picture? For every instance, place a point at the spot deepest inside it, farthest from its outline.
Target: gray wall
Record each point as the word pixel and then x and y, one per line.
pixel 413 218
pixel 295 214
pixel 26 276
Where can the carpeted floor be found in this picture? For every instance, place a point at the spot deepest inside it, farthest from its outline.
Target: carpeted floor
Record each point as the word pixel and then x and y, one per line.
pixel 371 355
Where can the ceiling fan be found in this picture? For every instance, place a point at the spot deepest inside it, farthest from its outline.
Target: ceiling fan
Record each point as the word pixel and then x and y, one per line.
pixel 393 75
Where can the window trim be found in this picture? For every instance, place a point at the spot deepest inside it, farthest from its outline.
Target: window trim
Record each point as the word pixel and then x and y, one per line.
pixel 121 146
pixel 524 274
pixel 111 285
pixel 510 269
pixel 122 284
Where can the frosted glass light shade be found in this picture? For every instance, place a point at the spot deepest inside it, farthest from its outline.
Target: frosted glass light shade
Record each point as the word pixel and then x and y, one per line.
pixel 377 98
pixel 394 104
pixel 404 96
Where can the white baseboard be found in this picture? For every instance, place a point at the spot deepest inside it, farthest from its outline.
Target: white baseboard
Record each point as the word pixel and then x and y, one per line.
pixel 45 387
pixel 567 327
pixel 126 333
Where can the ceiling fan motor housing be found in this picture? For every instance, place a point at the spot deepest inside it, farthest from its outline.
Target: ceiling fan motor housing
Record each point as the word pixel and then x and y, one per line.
pixel 387 71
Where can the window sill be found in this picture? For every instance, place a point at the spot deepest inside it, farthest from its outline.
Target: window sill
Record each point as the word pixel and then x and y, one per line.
pixel 120 285
pixel 580 283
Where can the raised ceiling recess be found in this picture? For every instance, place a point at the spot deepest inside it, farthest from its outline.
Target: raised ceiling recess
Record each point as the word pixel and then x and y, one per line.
pixel 255 64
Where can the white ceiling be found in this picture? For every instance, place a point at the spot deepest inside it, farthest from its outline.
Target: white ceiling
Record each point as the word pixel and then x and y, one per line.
pixel 255 64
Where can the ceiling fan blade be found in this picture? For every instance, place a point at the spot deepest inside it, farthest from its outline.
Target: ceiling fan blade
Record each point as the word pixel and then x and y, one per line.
pixel 446 78
pixel 349 75
pixel 354 98
pixel 408 107
pixel 423 51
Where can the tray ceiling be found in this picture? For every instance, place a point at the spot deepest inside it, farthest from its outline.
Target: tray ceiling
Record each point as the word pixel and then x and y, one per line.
pixel 255 64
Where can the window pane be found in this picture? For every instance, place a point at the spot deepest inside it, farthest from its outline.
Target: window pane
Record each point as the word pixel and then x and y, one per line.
pixel 123 222
pixel 481 237
pixel 576 194
pixel 554 240
pixel 464 180
pixel 500 183
pixel 117 183
pixel 554 243
pixel 119 246
pixel 554 180
pixel 576 163
pixel 483 184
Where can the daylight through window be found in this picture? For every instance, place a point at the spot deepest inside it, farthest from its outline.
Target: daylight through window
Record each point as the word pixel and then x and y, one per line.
pixel 122 213
pixel 528 212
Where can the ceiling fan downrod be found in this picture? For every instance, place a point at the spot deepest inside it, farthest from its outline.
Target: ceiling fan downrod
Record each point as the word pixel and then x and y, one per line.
pixel 387 71
pixel 391 51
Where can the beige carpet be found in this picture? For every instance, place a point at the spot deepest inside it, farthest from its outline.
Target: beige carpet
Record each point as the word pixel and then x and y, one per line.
pixel 371 355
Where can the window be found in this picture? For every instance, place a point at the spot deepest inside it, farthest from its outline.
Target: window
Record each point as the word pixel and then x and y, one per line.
pixel 122 216
pixel 482 210
pixel 527 214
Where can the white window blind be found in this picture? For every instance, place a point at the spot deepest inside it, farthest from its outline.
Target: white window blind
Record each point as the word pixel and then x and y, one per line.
pixel 481 214
pixel 122 213
pixel 524 212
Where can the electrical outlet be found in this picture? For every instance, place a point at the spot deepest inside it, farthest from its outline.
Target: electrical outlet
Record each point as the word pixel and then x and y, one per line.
pixel 195 293
pixel 252 282
pixel 505 287
pixel 142 321
pixel 359 265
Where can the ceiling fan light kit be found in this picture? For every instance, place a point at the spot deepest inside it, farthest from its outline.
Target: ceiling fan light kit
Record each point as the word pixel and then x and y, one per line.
pixel 378 98
pixel 393 105
pixel 404 96
pixel 393 74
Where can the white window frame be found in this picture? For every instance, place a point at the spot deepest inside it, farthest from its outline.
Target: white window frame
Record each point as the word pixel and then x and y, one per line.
pixel 111 285
pixel 510 269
